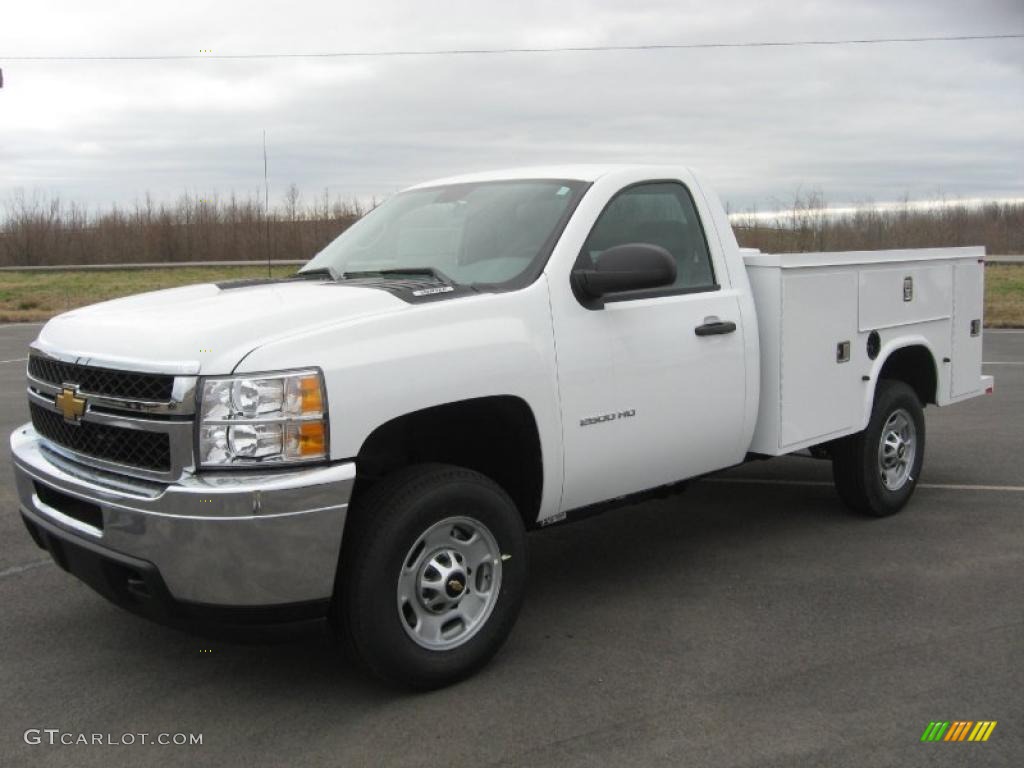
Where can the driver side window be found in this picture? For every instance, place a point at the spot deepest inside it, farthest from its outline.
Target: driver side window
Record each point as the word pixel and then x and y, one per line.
pixel 656 213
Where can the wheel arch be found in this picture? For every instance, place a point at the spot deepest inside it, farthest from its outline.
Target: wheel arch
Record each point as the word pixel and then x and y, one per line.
pixel 911 360
pixel 495 435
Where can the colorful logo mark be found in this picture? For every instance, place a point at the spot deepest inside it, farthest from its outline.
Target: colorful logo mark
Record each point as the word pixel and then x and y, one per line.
pixel 959 730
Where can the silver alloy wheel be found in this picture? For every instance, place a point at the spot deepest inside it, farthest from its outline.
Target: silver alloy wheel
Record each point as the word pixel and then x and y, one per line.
pixel 897 449
pixel 449 583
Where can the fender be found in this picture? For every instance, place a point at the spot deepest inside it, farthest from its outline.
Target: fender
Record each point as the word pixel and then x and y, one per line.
pixel 388 366
pixel 888 348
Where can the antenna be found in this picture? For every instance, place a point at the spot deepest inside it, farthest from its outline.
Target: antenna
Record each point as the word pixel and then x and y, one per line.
pixel 266 198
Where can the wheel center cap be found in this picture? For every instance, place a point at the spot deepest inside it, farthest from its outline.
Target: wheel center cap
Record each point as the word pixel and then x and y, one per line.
pixel 456 585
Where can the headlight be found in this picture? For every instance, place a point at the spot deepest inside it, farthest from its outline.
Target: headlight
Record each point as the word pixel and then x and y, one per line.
pixel 265 419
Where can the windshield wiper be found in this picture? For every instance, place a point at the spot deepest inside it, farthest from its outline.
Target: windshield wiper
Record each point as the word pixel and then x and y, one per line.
pixel 437 274
pixel 318 272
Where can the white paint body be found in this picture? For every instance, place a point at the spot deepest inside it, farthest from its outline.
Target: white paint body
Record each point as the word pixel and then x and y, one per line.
pixel 701 403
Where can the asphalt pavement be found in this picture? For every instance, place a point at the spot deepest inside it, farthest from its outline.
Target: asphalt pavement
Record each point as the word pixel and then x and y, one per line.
pixel 748 622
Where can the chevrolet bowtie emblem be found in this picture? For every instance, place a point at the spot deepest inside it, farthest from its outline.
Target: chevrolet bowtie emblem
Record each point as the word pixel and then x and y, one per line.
pixel 71 406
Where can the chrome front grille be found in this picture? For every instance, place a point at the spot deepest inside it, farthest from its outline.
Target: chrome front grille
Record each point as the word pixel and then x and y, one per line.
pixel 128 385
pixel 135 423
pixel 130 447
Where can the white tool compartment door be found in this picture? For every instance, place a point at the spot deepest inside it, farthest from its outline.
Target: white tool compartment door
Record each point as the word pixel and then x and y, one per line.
pixel 821 393
pixel 968 286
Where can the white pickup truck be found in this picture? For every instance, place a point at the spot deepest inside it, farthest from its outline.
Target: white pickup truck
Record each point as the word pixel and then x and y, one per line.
pixel 370 439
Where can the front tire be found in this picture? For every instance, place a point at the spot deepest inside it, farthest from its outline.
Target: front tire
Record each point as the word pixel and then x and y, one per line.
pixel 876 471
pixel 432 576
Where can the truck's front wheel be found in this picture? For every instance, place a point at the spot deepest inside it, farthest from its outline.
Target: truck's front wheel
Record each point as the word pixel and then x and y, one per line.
pixel 432 575
pixel 876 471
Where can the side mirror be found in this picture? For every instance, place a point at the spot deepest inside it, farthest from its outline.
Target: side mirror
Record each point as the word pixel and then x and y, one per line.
pixel 627 267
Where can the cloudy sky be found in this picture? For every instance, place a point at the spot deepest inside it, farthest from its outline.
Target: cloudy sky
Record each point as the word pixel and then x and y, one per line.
pixel 857 122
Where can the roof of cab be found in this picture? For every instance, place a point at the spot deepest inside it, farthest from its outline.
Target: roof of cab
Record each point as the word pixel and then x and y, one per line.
pixel 568 172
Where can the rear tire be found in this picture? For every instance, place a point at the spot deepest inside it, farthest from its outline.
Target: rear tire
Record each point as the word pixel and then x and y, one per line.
pixel 876 471
pixel 431 577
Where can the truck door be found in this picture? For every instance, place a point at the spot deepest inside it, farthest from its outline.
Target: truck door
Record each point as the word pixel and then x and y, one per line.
pixel 651 384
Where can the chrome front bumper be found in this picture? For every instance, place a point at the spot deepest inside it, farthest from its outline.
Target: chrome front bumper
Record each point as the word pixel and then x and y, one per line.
pixel 236 539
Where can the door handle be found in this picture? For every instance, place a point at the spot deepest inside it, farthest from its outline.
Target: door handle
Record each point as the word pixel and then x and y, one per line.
pixel 716 328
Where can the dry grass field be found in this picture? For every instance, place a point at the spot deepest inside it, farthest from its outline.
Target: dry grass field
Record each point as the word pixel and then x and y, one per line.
pixel 28 296
pixel 1004 296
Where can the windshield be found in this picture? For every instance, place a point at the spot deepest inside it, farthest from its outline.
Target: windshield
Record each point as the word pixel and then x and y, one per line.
pixel 488 232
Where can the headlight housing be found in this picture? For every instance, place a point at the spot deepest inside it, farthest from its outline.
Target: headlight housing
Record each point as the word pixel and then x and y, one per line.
pixel 258 419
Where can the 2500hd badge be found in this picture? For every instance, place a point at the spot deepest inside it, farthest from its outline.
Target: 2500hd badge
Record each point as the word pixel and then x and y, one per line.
pixel 608 417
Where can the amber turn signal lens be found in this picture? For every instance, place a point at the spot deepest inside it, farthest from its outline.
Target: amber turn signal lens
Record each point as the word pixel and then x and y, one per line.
pixel 312 439
pixel 309 392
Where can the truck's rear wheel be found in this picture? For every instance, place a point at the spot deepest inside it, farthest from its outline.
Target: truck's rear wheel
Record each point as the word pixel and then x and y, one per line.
pixel 876 471
pixel 431 577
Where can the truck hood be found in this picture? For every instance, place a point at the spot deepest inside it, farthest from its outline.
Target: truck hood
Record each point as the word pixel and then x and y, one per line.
pixel 205 328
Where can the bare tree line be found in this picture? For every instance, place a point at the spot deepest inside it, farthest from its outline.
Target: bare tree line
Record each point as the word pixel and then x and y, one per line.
pixel 35 231
pixel 807 224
